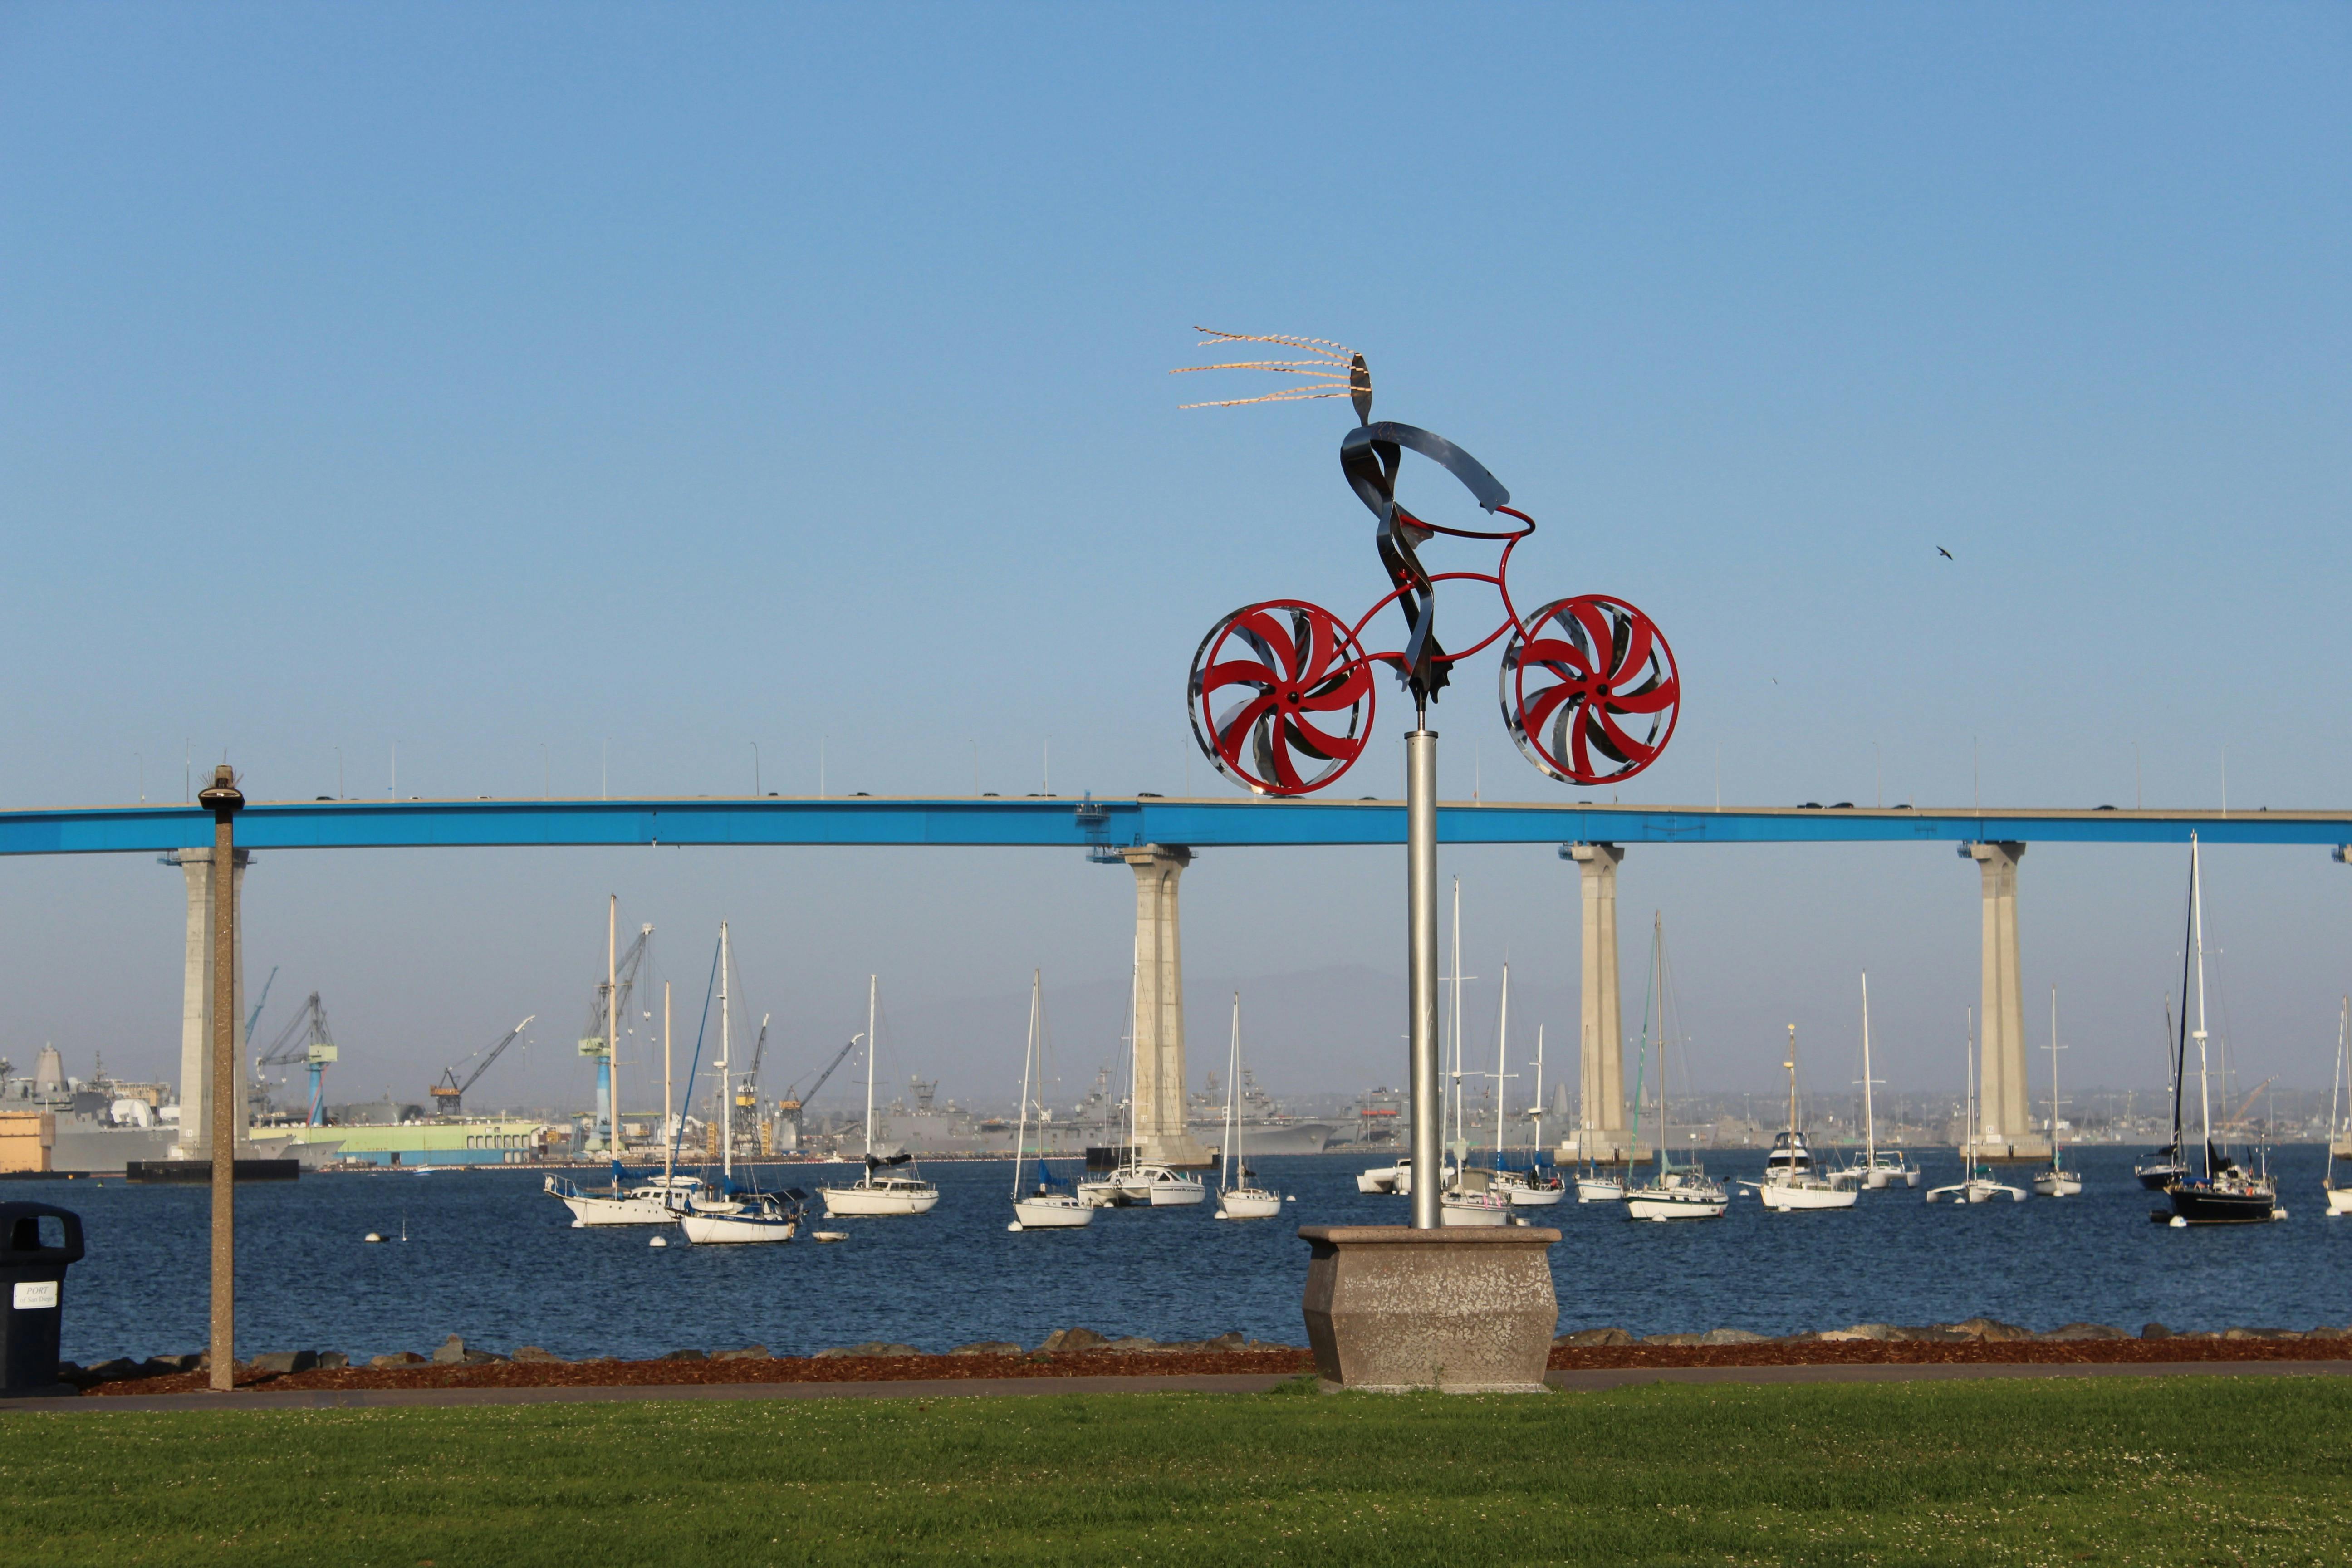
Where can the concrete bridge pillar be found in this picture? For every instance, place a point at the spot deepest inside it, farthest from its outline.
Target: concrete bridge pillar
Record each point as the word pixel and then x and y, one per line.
pixel 196 1004
pixel 1161 1137
pixel 2008 1131
pixel 1601 1133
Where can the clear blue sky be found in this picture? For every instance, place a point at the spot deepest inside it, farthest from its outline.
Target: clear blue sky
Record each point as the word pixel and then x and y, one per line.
pixel 503 384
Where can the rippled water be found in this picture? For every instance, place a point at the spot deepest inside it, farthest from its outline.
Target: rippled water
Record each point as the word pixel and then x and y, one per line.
pixel 490 1256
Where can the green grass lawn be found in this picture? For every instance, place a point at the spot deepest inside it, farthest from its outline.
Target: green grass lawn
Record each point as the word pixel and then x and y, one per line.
pixel 2173 1470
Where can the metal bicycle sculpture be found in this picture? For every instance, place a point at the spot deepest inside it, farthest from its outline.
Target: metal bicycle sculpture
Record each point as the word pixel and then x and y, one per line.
pixel 1282 695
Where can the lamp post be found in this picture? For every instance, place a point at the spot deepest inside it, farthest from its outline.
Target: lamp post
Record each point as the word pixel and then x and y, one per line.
pixel 223 799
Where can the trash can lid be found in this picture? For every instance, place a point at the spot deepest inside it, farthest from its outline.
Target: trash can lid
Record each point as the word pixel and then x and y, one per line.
pixel 20 1234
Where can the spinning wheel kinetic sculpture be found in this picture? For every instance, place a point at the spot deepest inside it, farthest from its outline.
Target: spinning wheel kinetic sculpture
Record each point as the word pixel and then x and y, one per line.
pixel 1282 695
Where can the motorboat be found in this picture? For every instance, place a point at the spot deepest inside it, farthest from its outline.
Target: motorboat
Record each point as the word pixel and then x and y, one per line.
pixel 2225 1193
pixel 1388 1179
pixel 1791 1181
pixel 1044 1209
pixel 1238 1194
pixel 885 1188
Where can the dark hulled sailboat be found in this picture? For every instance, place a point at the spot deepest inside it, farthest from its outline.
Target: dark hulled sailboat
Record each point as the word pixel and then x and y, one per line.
pixel 2225 1194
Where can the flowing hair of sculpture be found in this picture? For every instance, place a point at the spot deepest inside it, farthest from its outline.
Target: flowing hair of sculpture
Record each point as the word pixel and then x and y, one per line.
pixel 1282 693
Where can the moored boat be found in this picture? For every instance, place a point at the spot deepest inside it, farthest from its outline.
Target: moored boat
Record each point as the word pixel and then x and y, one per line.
pixel 875 1193
pixel 2224 1192
pixel 1792 1182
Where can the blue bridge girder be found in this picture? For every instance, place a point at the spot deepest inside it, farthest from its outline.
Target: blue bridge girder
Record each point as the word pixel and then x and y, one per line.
pixel 1102 825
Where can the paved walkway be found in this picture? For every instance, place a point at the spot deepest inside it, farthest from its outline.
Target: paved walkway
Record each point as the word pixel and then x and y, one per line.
pixel 1252 1383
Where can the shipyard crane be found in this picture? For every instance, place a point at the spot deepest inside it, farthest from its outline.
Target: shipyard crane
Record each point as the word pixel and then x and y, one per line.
pixel 605 1022
pixel 449 1095
pixel 306 1038
pixel 748 1097
pixel 254 1017
pixel 789 1108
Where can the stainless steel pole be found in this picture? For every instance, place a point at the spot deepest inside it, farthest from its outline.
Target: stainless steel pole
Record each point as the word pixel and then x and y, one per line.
pixel 224 799
pixel 1421 924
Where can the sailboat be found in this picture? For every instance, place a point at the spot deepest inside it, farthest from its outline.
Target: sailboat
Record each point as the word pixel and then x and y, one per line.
pixel 1480 1198
pixel 1879 1168
pixel 1791 1181
pixel 1136 1184
pixel 761 1217
pixel 1539 1186
pixel 2339 1134
pixel 1046 1208
pixel 658 1202
pixel 2057 1182
pixel 882 1188
pixel 1976 1185
pixel 1687 1193
pixel 2162 1167
pixel 2225 1194
pixel 1247 1200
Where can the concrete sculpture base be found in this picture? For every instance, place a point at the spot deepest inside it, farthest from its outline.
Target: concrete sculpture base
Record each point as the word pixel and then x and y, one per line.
pixel 1392 1310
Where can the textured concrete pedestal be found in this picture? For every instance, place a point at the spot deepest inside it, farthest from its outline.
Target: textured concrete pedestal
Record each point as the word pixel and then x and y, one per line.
pixel 1391 1309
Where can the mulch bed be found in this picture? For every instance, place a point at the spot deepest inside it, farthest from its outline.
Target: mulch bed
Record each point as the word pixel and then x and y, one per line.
pixel 1149 1363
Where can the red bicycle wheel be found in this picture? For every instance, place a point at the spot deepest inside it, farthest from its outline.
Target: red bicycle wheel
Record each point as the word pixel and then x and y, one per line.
pixel 1591 694
pixel 1281 696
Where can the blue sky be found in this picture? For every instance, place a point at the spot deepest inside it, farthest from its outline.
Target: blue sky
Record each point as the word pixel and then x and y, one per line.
pixel 545 391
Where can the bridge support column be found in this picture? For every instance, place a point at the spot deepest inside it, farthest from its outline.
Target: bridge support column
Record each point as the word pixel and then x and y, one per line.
pixel 2008 1131
pixel 1601 1134
pixel 1161 1136
pixel 196 1005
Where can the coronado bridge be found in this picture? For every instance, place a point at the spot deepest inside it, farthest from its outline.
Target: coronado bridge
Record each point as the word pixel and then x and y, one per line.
pixel 1154 836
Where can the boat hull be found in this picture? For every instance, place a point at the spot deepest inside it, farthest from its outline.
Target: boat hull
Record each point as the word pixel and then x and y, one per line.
pixel 591 1211
pixel 715 1230
pixel 1536 1198
pixel 1473 1212
pixel 1380 1179
pixel 1673 1207
pixel 1794 1199
pixel 2339 1200
pixel 2197 1206
pixel 1051 1213
pixel 1599 1190
pixel 1248 1203
pixel 2058 1185
pixel 2156 1178
pixel 865 1203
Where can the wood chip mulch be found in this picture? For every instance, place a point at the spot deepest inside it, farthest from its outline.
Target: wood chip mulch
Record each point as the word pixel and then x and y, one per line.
pixel 1146 1363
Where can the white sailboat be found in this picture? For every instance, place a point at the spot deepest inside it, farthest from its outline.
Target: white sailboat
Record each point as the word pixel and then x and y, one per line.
pixel 1878 1168
pixel 1688 1192
pixel 1247 1200
pixel 1485 1198
pixel 1791 1181
pixel 1043 1209
pixel 657 1202
pixel 2057 1182
pixel 2226 1193
pixel 760 1217
pixel 2339 1134
pixel 883 1188
pixel 1976 1185
pixel 1538 1186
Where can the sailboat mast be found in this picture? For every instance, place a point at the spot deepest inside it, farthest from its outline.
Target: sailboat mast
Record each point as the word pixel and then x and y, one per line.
pixel 1791 1065
pixel 873 982
pixel 725 1060
pixel 1457 1009
pixel 1869 1108
pixel 612 1028
pixel 2181 1041
pixel 2343 1035
pixel 1969 1097
pixel 1535 1116
pixel 1234 1078
pixel 670 1102
pixel 2197 919
pixel 1028 1055
pixel 1502 1050
pixel 2053 1077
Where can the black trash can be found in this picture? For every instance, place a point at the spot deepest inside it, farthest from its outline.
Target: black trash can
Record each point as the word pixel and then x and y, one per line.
pixel 36 1245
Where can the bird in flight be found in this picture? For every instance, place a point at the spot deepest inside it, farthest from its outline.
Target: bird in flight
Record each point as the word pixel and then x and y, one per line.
pixel 1946 553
